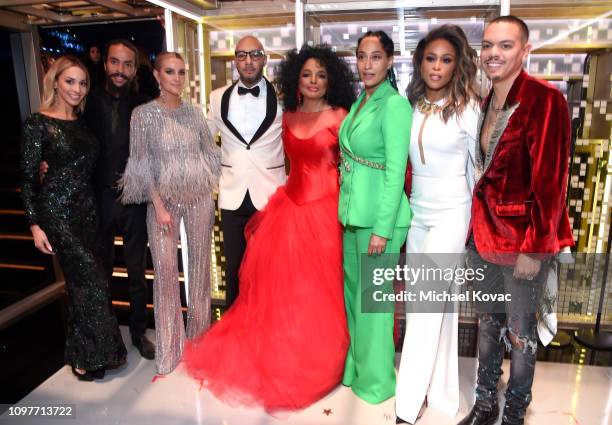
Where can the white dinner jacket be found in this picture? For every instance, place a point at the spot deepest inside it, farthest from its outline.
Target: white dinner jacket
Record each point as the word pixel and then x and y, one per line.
pixel 256 165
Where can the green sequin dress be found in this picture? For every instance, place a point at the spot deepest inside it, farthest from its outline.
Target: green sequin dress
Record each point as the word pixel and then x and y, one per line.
pixel 64 207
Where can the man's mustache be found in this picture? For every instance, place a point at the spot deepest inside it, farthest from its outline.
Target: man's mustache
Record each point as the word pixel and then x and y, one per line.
pixel 492 58
pixel 119 74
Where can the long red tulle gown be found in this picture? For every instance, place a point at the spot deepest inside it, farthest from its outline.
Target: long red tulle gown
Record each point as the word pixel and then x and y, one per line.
pixel 283 343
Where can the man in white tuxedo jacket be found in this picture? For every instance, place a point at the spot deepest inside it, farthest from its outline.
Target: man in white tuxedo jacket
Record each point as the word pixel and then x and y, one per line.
pixel 249 118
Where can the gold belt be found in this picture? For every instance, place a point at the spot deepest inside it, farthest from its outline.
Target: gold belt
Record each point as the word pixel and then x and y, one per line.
pixel 359 160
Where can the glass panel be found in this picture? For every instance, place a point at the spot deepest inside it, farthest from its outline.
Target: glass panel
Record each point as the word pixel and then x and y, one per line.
pixel 340 25
pixel 572 31
pixel 186 43
pixel 274 26
pixel 561 57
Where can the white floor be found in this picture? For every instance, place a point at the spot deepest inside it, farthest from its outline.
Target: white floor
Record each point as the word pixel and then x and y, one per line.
pixel 562 394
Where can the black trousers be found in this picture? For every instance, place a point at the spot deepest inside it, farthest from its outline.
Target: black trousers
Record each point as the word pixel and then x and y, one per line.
pixel 233 223
pixel 129 221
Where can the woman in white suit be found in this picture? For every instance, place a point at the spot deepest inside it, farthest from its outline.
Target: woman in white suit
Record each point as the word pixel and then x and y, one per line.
pixel 444 126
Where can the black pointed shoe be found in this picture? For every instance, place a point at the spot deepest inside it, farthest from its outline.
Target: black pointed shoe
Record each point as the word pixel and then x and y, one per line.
pixel 480 416
pixel 85 376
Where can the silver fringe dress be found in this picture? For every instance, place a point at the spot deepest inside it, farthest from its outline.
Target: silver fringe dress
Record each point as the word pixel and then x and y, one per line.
pixel 172 153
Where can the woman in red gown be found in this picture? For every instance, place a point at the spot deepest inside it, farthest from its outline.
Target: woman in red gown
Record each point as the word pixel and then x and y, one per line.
pixel 283 343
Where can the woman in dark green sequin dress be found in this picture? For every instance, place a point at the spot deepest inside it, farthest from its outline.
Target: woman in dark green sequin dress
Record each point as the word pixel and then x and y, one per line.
pixel 62 215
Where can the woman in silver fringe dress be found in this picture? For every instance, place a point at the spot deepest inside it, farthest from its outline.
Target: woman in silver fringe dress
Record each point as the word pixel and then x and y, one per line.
pixel 174 165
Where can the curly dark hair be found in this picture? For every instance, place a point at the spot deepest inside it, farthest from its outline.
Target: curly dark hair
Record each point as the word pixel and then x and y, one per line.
pixel 340 92
pixel 462 87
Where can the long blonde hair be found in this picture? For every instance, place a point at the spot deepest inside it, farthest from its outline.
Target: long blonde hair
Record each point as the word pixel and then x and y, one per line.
pixel 59 66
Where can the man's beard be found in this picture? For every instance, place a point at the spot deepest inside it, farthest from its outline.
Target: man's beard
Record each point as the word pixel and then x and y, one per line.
pixel 252 80
pixel 115 90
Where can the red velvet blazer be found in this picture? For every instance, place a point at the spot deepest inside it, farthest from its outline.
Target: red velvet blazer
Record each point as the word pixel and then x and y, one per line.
pixel 519 202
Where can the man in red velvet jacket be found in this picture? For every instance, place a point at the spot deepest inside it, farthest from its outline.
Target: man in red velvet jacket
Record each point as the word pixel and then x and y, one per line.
pixel 519 216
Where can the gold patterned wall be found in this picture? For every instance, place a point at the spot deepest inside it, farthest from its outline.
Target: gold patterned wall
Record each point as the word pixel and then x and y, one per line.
pixel 580 284
pixel 590 178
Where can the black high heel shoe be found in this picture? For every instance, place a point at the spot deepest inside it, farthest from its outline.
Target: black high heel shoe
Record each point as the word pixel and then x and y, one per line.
pixel 86 376
pixel 98 374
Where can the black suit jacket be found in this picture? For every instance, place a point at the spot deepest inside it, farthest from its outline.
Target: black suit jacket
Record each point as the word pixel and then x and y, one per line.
pixel 114 148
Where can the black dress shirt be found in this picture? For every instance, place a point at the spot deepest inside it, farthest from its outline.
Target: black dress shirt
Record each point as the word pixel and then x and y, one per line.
pixel 108 118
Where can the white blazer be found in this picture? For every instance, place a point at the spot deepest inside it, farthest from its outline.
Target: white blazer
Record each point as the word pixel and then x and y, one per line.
pixel 256 165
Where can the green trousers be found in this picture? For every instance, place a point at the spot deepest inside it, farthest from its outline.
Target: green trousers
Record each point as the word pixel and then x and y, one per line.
pixel 369 367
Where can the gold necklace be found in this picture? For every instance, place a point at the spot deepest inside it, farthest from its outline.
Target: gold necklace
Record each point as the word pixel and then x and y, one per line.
pixel 427 109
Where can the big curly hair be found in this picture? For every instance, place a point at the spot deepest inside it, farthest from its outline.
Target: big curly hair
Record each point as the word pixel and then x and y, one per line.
pixel 340 92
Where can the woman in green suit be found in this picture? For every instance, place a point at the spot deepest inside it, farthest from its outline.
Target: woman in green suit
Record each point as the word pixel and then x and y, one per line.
pixel 374 210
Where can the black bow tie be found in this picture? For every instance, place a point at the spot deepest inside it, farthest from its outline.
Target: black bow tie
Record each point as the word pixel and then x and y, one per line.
pixel 253 90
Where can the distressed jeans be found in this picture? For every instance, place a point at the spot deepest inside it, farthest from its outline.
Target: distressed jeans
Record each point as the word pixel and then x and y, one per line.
pixel 512 325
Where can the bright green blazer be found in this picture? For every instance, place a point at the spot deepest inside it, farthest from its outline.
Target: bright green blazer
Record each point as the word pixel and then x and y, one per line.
pixel 379 133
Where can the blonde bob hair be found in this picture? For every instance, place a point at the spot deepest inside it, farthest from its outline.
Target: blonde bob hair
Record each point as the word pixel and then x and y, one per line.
pixel 59 66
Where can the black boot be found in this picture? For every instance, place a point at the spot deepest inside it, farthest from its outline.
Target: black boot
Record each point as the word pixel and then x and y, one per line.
pixel 145 347
pixel 480 415
pixel 514 411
